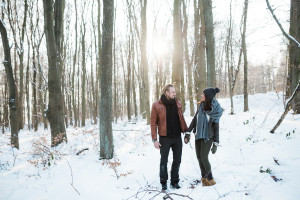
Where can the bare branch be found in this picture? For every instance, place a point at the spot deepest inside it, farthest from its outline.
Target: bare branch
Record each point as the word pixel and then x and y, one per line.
pixel 288 36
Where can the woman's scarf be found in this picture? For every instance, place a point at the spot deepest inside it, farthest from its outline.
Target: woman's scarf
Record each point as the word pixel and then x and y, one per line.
pixel 202 123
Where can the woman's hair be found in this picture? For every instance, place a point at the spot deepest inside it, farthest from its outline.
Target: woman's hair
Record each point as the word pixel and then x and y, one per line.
pixel 207 104
pixel 166 88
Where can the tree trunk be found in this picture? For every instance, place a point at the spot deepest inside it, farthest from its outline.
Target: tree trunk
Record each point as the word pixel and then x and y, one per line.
pixel 128 88
pixel 210 42
pixel 11 88
pixel 144 59
pixel 55 110
pixel 98 69
pixel 83 114
pixel 187 61
pixel 27 89
pixel 74 69
pixel 294 53
pixel 199 49
pixel 177 61
pixel 106 136
pixel 246 108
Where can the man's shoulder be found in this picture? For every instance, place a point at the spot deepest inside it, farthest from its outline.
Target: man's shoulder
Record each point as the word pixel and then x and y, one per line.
pixel 156 104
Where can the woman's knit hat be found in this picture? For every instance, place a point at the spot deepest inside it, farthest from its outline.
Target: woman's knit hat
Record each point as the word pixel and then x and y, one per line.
pixel 211 92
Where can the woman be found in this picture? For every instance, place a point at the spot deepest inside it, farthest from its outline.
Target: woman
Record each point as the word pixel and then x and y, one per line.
pixel 205 125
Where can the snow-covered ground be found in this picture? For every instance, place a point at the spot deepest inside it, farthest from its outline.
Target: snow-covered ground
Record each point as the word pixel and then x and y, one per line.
pixel 242 167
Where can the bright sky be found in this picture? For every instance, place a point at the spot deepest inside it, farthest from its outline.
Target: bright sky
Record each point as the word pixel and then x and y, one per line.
pixel 264 38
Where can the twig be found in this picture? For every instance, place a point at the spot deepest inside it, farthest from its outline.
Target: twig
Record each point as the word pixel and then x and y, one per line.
pixel 167 196
pixel 276 161
pixel 79 152
pixel 72 176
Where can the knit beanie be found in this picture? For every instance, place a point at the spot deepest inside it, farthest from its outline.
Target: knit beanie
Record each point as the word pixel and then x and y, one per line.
pixel 211 92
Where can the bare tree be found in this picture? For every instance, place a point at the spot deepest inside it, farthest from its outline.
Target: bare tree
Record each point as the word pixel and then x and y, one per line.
pixel 188 63
pixel 210 42
pixel 106 137
pixel 199 49
pixel 11 88
pixel 20 47
pixel 55 112
pixel 246 107
pixel 144 60
pixel 177 61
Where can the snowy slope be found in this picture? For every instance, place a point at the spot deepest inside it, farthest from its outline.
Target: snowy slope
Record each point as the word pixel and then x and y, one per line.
pixel 39 172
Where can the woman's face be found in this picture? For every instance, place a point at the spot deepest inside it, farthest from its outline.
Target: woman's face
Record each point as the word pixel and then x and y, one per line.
pixel 202 97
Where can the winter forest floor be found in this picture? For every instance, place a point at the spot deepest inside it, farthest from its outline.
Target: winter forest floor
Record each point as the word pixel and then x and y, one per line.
pixel 242 167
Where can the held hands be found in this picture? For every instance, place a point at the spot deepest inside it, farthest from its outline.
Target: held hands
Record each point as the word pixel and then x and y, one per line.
pixel 187 138
pixel 157 144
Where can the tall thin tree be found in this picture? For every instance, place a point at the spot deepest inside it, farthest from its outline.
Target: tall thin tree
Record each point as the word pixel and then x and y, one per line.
pixel 11 88
pixel 106 136
pixel 210 42
pixel 177 61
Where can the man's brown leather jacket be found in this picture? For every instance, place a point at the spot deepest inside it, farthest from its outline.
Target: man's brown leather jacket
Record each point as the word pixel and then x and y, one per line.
pixel 159 119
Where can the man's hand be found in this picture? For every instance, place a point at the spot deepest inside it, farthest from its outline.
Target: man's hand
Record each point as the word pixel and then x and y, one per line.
pixel 187 138
pixel 157 144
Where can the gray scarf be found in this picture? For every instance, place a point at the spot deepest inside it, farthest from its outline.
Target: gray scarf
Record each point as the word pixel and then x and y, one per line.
pixel 202 123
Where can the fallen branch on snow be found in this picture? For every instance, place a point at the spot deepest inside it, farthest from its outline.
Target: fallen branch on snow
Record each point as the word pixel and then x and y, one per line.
pixel 287 108
pixel 158 192
pixel 79 152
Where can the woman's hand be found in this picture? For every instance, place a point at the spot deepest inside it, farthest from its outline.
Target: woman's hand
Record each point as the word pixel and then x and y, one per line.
pixel 214 149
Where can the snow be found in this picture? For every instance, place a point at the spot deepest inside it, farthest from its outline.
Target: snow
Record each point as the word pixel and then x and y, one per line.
pixel 247 147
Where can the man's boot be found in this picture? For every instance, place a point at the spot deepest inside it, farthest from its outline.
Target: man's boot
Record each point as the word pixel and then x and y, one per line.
pixel 174 184
pixel 164 186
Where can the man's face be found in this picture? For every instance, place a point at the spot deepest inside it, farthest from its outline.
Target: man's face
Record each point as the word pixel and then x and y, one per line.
pixel 171 93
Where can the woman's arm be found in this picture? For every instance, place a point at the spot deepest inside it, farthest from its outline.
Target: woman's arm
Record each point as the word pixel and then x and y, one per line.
pixel 215 127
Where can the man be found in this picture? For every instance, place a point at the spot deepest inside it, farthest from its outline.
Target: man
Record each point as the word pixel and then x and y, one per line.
pixel 167 118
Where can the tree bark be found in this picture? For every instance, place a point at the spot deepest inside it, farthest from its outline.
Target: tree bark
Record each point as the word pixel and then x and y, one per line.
pixel 74 69
pixel 177 61
pixel 246 107
pixel 144 60
pixel 11 88
pixel 128 81
pixel 187 61
pixel 55 111
pixel 210 42
pixel 83 79
pixel 106 136
pixel 294 52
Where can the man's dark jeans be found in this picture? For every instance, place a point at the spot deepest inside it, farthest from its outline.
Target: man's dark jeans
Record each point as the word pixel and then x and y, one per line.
pixel 176 145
